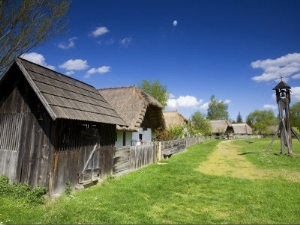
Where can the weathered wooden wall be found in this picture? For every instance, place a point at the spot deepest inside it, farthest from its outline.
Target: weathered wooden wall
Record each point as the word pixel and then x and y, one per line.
pixel 35 149
pixel 83 153
pixel 129 158
pixel 121 163
pixel 24 141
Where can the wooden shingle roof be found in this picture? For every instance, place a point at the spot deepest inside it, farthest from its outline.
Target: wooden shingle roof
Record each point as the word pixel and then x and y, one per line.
pixel 67 98
pixel 132 105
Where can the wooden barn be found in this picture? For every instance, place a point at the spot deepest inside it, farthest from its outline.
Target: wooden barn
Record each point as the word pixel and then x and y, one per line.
pixel 54 129
pixel 142 113
pixel 174 118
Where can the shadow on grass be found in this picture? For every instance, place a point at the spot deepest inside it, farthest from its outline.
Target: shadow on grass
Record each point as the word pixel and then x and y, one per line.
pixel 246 153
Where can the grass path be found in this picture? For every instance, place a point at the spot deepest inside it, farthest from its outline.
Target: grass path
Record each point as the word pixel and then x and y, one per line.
pixel 226 160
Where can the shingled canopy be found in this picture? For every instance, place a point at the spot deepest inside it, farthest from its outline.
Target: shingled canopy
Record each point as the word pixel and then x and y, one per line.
pixel 134 106
pixel 66 98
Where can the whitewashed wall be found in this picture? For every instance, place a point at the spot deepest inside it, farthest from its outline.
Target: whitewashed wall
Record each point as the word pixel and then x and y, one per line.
pixel 147 136
pixel 132 138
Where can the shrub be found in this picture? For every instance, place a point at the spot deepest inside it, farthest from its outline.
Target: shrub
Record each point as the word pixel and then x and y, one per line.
pixel 22 190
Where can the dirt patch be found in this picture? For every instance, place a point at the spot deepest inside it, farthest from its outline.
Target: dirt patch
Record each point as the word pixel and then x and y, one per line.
pixel 226 161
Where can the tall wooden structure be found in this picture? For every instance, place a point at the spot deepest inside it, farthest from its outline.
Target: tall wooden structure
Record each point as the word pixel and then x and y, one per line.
pixel 285 130
pixel 53 128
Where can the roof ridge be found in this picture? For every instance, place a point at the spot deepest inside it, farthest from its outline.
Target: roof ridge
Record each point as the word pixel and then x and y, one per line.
pixel 69 77
pixel 117 87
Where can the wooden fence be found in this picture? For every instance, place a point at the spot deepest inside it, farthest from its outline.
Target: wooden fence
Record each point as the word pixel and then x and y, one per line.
pixel 120 161
pixel 131 158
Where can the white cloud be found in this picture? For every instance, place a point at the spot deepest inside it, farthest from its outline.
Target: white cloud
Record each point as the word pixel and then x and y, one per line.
pixel 204 106
pixel 272 107
pixel 69 73
pixel 174 23
pixel 70 43
pixel 100 70
pixel 296 76
pixel 99 31
pixel 285 66
pixel 295 94
pixel 126 41
pixel 37 58
pixel 183 102
pixel 227 101
pixel 77 64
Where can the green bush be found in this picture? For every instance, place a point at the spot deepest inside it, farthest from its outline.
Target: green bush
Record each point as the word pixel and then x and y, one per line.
pixel 22 190
pixel 68 190
pixel 4 185
pixel 35 196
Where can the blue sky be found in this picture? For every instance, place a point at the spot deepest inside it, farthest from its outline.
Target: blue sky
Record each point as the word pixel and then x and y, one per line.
pixel 234 49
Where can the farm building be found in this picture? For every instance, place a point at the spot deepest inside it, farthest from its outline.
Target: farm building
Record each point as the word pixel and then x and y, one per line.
pixel 241 129
pixel 221 128
pixel 174 118
pixel 142 113
pixel 54 129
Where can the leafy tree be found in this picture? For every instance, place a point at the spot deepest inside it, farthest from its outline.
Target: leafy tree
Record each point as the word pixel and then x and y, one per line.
pixel 239 118
pixel 156 90
pixel 171 133
pixel 295 115
pixel 199 124
pixel 217 110
pixel 28 23
pixel 259 120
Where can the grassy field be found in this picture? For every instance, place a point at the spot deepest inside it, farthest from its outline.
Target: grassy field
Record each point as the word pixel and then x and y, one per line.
pixel 214 182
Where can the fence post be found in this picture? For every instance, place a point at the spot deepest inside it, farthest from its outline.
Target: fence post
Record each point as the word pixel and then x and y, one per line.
pixel 158 152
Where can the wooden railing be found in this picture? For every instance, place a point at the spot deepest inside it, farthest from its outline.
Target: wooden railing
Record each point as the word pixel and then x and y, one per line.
pixel 131 158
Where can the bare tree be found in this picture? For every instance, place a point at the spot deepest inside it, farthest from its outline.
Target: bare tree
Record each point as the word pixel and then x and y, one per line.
pixel 28 23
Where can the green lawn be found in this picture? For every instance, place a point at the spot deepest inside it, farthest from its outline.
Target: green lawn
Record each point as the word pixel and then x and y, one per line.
pixel 177 192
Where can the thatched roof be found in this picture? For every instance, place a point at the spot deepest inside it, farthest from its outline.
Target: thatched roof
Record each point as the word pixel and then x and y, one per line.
pixel 241 128
pixel 134 105
pixel 220 126
pixel 174 118
pixel 66 98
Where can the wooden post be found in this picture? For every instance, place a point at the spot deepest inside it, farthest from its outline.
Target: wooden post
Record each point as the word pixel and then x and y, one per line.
pixel 158 153
pixel 288 125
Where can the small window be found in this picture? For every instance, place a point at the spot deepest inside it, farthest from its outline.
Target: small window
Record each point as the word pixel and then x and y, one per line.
pixel 140 137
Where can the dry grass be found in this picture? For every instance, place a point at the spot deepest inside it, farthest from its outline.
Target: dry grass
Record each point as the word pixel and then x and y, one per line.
pixel 226 160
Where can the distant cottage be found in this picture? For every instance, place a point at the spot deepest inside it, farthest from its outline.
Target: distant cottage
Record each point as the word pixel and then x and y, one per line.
pixel 241 129
pixel 221 127
pixel 174 118
pixel 142 113
pixel 54 129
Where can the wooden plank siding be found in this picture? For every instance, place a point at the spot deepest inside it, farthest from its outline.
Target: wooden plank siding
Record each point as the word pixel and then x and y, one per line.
pixel 22 134
pixel 142 155
pixel 38 150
